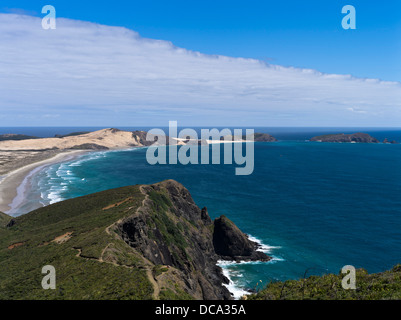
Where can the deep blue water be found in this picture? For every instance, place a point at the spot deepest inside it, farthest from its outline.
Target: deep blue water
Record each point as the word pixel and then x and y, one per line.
pixel 319 206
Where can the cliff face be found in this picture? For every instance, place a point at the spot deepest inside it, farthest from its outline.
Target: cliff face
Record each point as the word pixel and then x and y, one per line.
pixel 171 230
pixel 341 137
pixel 230 243
pixel 135 242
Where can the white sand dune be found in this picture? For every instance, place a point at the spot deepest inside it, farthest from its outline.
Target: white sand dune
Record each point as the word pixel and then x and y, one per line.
pixel 109 138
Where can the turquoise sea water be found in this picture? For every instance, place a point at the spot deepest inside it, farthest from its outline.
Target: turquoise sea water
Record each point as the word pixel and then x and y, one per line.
pixel 315 206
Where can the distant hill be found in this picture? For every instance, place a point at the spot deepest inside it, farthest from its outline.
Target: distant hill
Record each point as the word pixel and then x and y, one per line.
pixel 15 137
pixel 257 137
pixel 263 137
pixel 72 134
pixel 341 137
pixel 136 242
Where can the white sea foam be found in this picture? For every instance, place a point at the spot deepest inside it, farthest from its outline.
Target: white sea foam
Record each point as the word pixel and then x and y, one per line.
pixel 57 178
pixel 236 290
pixel 262 247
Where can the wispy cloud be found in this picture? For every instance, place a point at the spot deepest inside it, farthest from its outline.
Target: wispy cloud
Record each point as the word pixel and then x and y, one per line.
pixel 356 110
pixel 92 74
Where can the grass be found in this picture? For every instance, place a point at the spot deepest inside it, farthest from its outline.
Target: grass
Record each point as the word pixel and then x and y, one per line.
pixel 4 219
pixel 77 277
pixel 172 232
pixel 94 264
pixel 378 286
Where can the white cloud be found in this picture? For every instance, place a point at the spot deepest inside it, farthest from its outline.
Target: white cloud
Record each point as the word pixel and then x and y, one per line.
pixel 356 110
pixel 93 74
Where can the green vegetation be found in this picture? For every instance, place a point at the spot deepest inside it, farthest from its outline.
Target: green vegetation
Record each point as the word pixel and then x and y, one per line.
pixel 164 221
pixel 178 294
pixel 92 261
pixel 378 286
pixel 158 270
pixel 4 219
pixel 160 200
pixel 227 221
pixel 71 235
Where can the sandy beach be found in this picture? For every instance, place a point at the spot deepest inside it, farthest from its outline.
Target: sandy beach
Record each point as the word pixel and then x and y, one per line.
pixel 12 183
pixel 21 159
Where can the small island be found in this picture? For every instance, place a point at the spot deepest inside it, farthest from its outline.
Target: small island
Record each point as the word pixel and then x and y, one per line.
pixel 257 137
pixel 386 141
pixel 358 137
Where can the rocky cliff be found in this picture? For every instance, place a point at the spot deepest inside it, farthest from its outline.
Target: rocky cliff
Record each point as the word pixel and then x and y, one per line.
pixel 135 242
pixel 230 243
pixel 171 230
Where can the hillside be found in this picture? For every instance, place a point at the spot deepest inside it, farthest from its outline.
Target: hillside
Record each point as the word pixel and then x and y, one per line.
pixel 377 286
pixel 136 242
pixel 4 219
pixel 147 242
pixel 13 136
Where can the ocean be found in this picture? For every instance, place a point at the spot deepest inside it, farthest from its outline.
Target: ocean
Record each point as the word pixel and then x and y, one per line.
pixel 314 207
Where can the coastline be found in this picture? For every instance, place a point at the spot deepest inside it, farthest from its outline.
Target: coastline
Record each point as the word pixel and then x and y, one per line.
pixel 238 291
pixel 13 184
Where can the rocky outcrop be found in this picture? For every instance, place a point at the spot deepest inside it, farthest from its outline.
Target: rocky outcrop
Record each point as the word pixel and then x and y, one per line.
pixel 230 243
pixel 140 137
pixel 341 137
pixel 172 230
pixel 386 141
pixel 11 223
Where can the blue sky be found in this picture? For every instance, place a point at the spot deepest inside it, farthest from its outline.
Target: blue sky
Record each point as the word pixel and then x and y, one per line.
pixel 215 63
pixel 304 34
